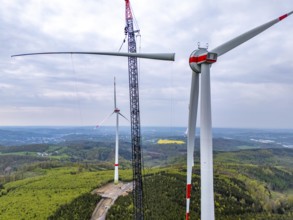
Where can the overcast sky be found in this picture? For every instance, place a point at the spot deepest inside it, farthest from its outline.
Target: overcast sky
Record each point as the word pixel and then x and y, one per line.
pixel 252 85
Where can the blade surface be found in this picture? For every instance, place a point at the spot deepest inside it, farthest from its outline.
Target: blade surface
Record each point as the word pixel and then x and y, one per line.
pixel 224 48
pixel 155 56
pixel 206 147
pixel 193 103
pixel 115 104
pixel 98 125
pixel 123 116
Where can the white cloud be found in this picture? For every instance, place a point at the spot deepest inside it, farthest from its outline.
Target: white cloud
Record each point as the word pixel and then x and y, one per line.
pixel 254 80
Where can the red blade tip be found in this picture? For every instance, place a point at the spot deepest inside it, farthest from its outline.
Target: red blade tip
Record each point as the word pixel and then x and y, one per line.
pixel 282 17
pixel 285 16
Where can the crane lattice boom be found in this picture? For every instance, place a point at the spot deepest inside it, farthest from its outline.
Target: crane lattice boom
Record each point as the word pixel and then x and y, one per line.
pixel 134 117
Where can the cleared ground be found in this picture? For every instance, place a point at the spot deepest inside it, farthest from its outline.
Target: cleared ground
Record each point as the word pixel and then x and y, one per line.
pixel 109 193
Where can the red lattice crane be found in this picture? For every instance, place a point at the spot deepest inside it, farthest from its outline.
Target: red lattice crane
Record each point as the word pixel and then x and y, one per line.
pixel 134 116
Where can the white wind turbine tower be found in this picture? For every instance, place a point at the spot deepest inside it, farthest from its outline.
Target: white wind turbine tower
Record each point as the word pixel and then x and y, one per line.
pixel 200 62
pixel 117 112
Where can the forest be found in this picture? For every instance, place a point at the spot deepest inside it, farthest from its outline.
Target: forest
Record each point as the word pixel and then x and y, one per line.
pixel 56 181
pixel 237 195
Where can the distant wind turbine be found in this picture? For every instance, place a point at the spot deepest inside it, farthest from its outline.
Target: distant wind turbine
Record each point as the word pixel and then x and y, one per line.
pixel 200 61
pixel 117 112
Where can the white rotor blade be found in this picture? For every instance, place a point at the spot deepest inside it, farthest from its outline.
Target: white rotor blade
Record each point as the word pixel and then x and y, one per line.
pixel 98 125
pixel 155 56
pixel 186 132
pixel 115 105
pixel 224 48
pixel 123 116
pixel 193 103
pixel 206 147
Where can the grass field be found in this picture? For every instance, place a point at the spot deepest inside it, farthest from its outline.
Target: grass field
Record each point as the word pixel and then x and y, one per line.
pixel 38 197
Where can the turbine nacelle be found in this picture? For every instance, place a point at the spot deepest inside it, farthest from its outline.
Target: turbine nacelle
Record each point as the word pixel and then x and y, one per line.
pixel 199 56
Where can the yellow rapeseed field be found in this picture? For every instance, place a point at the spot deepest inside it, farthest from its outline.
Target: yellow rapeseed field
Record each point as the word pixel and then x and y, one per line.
pixel 162 141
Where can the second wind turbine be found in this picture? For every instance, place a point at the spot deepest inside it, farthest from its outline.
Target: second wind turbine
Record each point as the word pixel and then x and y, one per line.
pixel 117 112
pixel 200 62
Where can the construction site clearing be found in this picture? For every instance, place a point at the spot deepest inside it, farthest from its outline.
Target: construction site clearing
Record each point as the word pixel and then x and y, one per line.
pixel 109 193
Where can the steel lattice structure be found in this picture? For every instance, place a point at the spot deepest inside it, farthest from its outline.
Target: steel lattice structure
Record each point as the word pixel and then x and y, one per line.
pixel 134 117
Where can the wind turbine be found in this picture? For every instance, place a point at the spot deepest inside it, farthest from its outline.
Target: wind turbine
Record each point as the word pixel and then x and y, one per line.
pixel 117 112
pixel 200 62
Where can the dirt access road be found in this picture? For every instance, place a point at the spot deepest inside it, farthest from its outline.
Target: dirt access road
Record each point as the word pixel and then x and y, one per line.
pixel 109 193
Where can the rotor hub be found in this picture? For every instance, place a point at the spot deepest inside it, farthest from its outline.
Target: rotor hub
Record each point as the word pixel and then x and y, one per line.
pixel 199 56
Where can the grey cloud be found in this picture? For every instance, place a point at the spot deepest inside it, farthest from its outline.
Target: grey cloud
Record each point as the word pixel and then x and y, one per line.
pixel 59 84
